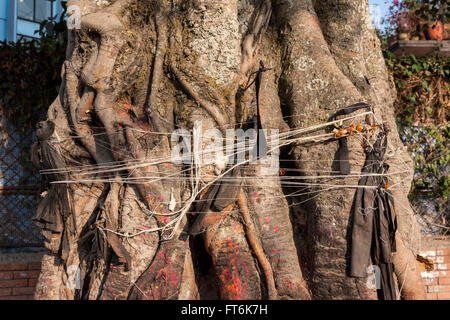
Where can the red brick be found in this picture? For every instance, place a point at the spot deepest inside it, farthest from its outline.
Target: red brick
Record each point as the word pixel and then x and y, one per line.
pixel 444 295
pixel 441 266
pixel 430 282
pixel 428 253
pixel 429 274
pixel 432 296
pixel 14 298
pixel 436 288
pixel 13 283
pixel 443 252
pixel 26 274
pixel 22 291
pixel 34 266
pixel 435 274
pixel 6 275
pixel 5 292
pixel 32 282
pixel 13 266
pixel 444 288
pixel 444 280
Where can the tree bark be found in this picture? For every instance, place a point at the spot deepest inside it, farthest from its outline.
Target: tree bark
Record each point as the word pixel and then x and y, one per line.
pixel 136 71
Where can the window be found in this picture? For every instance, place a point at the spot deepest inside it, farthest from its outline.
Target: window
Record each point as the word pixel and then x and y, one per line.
pixel 35 10
pixel 30 13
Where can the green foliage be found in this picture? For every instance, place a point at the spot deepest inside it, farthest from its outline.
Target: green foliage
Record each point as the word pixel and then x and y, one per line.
pixel 430 149
pixel 423 95
pixel 30 76
pixel 429 11
pixel 407 66
pixel 29 83
pixel 422 85
pixel 414 16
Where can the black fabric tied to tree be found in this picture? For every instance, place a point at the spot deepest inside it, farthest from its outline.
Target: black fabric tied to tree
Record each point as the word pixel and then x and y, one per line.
pixel 374 221
pixel 54 209
pixel 342 155
pixel 260 148
pixel 374 218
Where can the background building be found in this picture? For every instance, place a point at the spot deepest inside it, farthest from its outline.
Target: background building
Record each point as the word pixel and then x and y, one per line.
pixel 19 19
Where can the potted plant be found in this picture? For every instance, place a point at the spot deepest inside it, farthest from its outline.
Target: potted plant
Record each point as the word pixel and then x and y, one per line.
pixel 432 16
pixel 435 31
pixel 403 21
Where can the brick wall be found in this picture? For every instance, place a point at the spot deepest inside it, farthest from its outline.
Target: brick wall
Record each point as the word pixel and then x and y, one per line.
pixel 18 281
pixel 19 272
pixel 18 275
pixel 437 280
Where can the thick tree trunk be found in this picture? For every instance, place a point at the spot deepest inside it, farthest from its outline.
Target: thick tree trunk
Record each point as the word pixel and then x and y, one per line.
pixel 137 70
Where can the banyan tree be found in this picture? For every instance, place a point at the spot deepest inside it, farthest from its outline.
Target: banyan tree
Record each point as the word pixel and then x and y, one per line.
pixel 123 218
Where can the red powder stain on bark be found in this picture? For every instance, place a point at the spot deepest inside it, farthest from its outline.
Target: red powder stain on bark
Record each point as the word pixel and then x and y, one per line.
pixel 174 278
pixel 268 219
pixel 168 165
pixel 277 229
pixel 237 227
pixel 289 284
pixel 145 235
pixel 255 195
pixel 160 199
pixel 233 283
pixel 166 277
pixel 143 125
pixel 231 244
pixel 247 271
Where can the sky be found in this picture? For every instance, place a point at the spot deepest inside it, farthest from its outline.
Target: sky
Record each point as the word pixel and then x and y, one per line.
pixel 379 10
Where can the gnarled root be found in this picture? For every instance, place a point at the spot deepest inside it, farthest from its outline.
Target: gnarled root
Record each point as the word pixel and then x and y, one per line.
pixel 410 282
pixel 233 262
